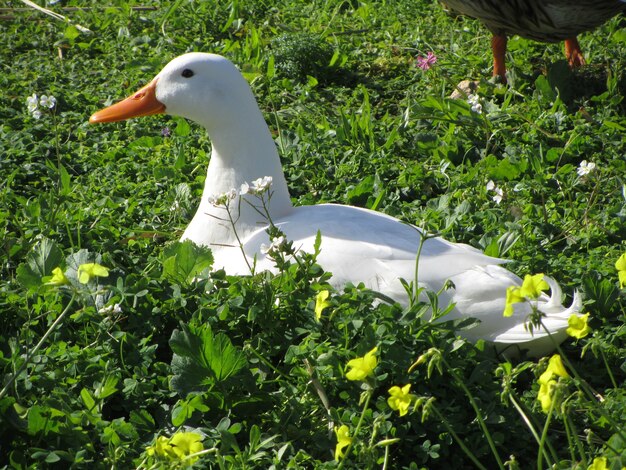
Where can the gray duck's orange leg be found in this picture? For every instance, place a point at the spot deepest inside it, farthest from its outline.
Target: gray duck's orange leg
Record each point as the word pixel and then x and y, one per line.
pixel 498 47
pixel 573 53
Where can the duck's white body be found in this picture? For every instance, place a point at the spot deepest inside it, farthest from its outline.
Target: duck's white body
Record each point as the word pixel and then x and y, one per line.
pixel 358 245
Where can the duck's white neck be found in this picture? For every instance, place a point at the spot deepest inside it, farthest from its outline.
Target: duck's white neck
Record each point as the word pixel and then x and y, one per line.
pixel 242 152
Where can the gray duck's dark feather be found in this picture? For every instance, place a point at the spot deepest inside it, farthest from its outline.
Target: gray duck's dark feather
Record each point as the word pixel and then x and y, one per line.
pixel 541 20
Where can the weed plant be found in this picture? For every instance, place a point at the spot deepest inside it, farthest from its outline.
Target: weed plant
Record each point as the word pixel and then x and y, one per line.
pixel 120 348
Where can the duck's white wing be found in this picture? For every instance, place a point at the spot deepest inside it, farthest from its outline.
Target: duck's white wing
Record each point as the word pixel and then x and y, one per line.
pixel 359 245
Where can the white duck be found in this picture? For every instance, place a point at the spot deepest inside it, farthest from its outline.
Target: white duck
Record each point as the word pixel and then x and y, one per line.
pixel 358 245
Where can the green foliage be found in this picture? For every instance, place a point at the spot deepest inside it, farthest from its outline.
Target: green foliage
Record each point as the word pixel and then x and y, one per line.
pixel 299 55
pixel 202 359
pixel 184 261
pixel 93 374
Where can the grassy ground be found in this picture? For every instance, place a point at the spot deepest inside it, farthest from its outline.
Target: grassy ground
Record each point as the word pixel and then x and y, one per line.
pixel 242 362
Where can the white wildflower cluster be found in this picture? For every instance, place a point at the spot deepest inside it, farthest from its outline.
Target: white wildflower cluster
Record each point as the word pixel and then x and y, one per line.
pixel 275 246
pixel 256 187
pixel 585 168
pixel 116 308
pixel 35 104
pixel 498 193
pixel 224 198
pixel 474 102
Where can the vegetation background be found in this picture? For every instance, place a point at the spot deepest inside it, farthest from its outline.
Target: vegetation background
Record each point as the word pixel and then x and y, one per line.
pixel 93 373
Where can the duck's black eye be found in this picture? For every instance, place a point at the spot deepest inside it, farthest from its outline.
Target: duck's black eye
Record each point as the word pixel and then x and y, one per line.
pixel 187 73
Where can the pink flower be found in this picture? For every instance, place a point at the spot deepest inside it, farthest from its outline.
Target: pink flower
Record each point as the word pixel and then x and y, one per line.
pixel 427 62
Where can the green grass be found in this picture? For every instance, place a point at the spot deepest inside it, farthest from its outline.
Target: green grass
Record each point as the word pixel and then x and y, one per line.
pixel 368 128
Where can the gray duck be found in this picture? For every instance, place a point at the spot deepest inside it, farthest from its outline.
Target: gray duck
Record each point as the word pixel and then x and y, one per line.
pixel 540 20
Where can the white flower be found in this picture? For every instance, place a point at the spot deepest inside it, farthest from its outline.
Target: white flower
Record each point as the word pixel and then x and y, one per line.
pixel 111 309
pixel 585 168
pixel 48 101
pixel 277 242
pixel 499 195
pixel 244 189
pixel 276 245
pixel 36 113
pixel 491 186
pixel 260 185
pixel 473 101
pixel 32 102
pixel 222 199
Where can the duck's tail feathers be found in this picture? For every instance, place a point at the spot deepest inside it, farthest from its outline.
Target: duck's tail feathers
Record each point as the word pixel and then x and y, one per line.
pixel 554 303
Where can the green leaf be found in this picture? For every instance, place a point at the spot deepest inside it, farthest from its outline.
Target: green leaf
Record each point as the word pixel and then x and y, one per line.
pixel 88 399
pixel 184 261
pixel 543 91
pixel 271 70
pixel 43 258
pixel 182 128
pixel 71 33
pixel 42 419
pixel 36 420
pixel 106 389
pixel 202 359
pixel 66 186
pixel 183 410
pixel 52 458
pixel 360 192
pixel 603 292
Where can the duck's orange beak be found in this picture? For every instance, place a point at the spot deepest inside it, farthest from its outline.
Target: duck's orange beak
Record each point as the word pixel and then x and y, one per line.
pixel 141 103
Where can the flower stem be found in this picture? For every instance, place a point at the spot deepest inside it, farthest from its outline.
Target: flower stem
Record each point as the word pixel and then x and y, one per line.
pixel 544 433
pixel 413 299
pixel 239 242
pixel 584 387
pixel 358 427
pixel 608 369
pixel 33 351
pixel 479 417
pixel 533 431
pixel 458 440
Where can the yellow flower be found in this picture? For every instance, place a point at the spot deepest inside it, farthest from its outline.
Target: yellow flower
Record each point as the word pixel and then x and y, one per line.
pixel 544 396
pixel 321 303
pixel 555 365
pixel 362 367
pixel 58 278
pixel 620 265
pixel 547 383
pixel 577 326
pixel 88 271
pixel 512 297
pixel 533 286
pixel 400 399
pixel 161 448
pixel 185 444
pixel 599 463
pixel 343 440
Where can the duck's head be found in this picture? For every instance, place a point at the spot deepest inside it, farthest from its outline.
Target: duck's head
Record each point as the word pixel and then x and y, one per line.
pixel 198 86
